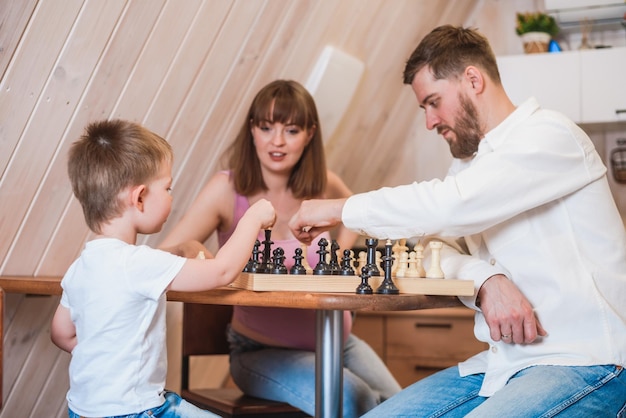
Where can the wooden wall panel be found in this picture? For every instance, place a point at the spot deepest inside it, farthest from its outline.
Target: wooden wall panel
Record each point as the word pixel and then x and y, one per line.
pixel 46 195
pixel 14 16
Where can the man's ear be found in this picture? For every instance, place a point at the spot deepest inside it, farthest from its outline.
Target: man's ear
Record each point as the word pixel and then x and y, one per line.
pixel 137 194
pixel 475 78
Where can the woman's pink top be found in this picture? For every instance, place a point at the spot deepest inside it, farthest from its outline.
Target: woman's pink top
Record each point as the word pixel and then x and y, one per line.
pixel 282 327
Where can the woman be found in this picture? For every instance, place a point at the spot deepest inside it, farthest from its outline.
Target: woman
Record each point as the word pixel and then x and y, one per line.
pixel 278 155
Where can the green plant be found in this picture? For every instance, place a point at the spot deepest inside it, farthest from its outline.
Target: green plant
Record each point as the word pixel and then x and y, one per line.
pixel 536 22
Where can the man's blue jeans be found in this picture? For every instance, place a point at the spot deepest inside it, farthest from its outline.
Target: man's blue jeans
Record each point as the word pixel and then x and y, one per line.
pixel 173 407
pixel 538 391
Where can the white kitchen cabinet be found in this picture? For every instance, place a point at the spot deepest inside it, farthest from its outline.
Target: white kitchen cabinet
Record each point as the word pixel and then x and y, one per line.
pixel 588 86
pixel 603 81
pixel 554 79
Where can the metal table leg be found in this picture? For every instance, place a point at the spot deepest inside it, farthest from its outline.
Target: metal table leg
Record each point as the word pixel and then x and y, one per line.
pixel 329 364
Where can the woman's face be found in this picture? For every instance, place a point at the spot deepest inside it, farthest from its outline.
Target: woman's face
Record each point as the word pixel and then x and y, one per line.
pixel 280 146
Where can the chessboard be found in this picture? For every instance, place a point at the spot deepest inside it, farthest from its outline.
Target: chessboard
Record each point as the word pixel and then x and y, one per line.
pixel 362 276
pixel 348 284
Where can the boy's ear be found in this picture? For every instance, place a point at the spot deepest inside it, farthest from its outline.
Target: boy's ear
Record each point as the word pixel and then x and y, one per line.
pixel 137 194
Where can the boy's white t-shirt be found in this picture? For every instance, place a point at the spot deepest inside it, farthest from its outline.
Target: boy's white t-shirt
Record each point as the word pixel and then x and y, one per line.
pixel 116 296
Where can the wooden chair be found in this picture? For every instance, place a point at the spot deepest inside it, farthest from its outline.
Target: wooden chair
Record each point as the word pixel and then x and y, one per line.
pixel 204 333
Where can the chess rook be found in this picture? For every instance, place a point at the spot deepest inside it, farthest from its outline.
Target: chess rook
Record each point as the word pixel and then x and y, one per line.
pixel 435 272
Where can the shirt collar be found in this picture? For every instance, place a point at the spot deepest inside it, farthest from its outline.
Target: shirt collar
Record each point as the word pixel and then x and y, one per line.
pixel 494 138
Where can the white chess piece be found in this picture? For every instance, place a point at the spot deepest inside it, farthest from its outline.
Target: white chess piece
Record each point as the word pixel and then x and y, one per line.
pixel 403 264
pixel 412 270
pixel 419 255
pixel 353 261
pixel 435 272
pixel 362 261
pixel 396 258
pixel 402 246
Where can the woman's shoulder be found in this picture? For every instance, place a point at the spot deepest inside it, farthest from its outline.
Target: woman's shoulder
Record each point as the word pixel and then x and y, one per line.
pixel 220 183
pixel 335 186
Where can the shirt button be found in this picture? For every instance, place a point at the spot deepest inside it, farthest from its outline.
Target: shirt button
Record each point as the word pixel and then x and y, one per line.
pixel 492 261
pixel 494 349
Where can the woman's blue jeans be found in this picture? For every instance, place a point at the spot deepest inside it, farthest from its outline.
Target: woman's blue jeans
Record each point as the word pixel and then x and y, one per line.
pixel 289 375
pixel 173 407
pixel 538 391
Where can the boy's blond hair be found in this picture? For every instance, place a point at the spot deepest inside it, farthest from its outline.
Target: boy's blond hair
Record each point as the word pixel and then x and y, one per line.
pixel 110 156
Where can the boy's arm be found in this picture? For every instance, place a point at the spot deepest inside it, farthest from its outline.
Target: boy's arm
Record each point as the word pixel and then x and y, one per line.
pixel 63 331
pixel 198 274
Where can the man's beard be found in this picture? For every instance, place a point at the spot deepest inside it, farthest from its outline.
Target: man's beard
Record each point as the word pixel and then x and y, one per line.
pixel 466 130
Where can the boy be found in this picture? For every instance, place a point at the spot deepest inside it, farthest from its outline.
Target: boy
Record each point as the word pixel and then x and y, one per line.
pixel 112 313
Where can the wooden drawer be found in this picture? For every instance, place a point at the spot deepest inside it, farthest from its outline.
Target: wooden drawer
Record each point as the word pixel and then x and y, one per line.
pixel 409 370
pixel 447 339
pixel 416 344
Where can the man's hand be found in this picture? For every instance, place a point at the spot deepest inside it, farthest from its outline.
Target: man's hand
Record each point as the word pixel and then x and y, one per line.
pixel 508 313
pixel 314 217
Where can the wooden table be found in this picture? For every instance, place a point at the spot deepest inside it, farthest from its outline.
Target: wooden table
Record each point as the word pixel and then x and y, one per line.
pixel 329 307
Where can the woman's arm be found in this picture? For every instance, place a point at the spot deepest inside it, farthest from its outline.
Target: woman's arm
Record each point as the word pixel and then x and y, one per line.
pixel 212 208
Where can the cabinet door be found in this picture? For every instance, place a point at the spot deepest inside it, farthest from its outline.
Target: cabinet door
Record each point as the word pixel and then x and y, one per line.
pixel 603 83
pixel 553 78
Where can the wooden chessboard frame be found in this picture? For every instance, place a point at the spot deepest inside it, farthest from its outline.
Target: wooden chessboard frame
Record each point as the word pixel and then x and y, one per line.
pixel 348 284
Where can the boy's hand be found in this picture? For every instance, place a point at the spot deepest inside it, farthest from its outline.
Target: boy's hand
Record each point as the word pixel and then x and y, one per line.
pixel 265 213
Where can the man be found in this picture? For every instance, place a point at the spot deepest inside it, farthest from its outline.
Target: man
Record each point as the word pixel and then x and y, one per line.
pixel 547 246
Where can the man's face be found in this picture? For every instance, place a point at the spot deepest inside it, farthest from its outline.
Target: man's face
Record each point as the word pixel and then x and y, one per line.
pixel 450 111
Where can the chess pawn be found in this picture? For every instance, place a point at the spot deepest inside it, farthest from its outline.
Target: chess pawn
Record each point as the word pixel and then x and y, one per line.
pixel 364 288
pixel 298 267
pixel 305 262
pixel 353 262
pixel 419 255
pixel 278 266
pixel 322 266
pixel 346 264
pixel 402 264
pixel 435 272
pixel 412 270
pixel 362 262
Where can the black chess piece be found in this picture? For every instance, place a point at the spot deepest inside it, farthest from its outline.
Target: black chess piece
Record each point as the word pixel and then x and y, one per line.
pixel 321 267
pixel 371 244
pixel 253 263
pixel 387 287
pixel 364 288
pixel 346 267
pixel 265 266
pixel 297 267
pixel 333 265
pixel 279 262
